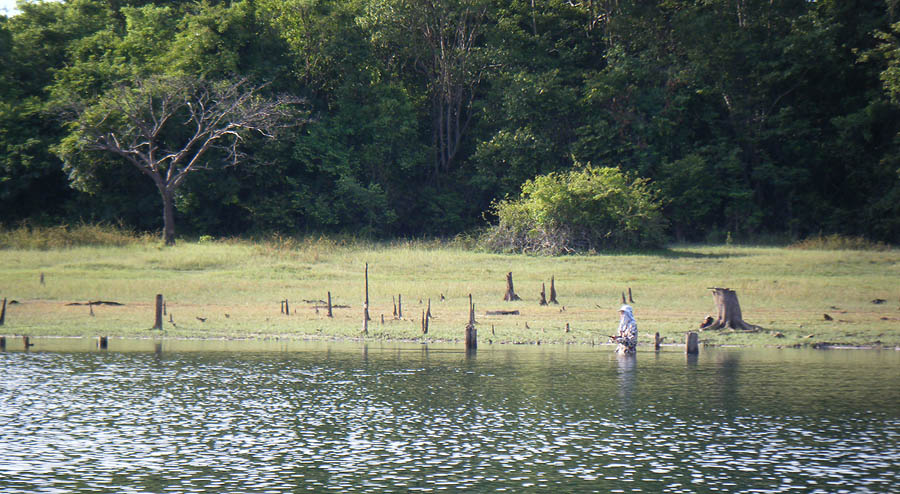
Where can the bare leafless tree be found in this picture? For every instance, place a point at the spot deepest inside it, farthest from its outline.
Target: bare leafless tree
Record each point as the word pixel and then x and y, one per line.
pixel 171 126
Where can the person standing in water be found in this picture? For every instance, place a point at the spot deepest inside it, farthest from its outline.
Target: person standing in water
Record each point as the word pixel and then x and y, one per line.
pixel 627 337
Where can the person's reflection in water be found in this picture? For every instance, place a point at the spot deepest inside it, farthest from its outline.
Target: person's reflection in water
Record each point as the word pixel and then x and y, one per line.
pixel 627 378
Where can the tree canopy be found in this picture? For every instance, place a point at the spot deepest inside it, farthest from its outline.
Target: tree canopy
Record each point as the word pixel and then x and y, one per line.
pixel 754 118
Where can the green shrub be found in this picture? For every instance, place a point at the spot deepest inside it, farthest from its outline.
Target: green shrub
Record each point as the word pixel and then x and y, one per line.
pixel 838 242
pixel 586 209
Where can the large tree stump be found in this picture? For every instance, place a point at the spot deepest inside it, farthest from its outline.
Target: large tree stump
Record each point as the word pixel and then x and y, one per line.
pixel 728 312
pixel 510 293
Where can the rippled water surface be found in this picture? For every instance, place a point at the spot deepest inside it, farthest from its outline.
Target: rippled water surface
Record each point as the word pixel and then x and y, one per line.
pixel 325 417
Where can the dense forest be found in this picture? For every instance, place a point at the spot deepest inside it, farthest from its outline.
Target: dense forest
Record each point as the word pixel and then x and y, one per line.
pixel 751 118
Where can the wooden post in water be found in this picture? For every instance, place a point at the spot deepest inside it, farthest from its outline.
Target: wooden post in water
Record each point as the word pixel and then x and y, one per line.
pixel 657 341
pixel 471 332
pixel 330 314
pixel 102 342
pixel 366 304
pixel 692 343
pixel 2 343
pixel 3 312
pixel 159 312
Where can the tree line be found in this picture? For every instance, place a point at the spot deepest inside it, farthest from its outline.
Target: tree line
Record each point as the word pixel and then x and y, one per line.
pixel 749 118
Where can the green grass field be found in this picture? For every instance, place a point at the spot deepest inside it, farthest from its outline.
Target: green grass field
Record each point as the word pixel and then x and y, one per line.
pixel 238 286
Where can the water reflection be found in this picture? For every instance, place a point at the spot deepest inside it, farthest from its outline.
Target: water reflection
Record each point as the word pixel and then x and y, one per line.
pixel 364 418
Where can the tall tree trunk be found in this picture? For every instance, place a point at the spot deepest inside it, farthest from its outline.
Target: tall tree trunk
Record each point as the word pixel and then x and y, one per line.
pixel 168 217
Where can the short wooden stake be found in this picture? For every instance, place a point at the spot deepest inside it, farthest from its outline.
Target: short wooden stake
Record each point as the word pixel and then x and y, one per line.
pixel 330 314
pixel 366 304
pixel 102 342
pixel 428 312
pixel 543 294
pixel 165 308
pixel 657 341
pixel 287 307
pixel 567 328
pixel 2 342
pixel 399 306
pixel 471 332
pixel 623 298
pixel 553 291
pixel 692 343
pixel 91 308
pixel 159 312
pixel 3 312
pixel 27 341
pixel 42 278
pixel 630 300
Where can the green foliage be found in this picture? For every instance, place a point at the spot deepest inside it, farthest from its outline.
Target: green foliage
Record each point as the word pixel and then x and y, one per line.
pixel 586 209
pixel 426 113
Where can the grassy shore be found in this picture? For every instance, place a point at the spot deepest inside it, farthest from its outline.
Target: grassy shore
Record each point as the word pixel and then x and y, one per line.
pixel 238 286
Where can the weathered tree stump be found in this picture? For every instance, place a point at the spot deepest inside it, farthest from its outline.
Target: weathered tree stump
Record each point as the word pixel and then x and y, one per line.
pixel 510 292
pixel 2 343
pixel 657 341
pixel 159 305
pixel 330 313
pixel 3 312
pixel 729 312
pixel 102 342
pixel 630 300
pixel 471 332
pixel 428 312
pixel 553 291
pixel 692 343
pixel 399 306
pixel 543 294
pixel 42 278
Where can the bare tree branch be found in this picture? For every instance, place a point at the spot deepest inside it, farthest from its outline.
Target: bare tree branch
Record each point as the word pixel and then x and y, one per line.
pixel 166 126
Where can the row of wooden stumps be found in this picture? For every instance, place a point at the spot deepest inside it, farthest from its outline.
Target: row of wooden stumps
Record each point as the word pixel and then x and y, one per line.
pixel 691 342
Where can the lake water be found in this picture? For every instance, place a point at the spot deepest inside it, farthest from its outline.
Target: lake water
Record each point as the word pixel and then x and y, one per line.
pixel 217 416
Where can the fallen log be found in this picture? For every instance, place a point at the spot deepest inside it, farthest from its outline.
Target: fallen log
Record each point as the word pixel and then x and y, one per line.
pixel 502 313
